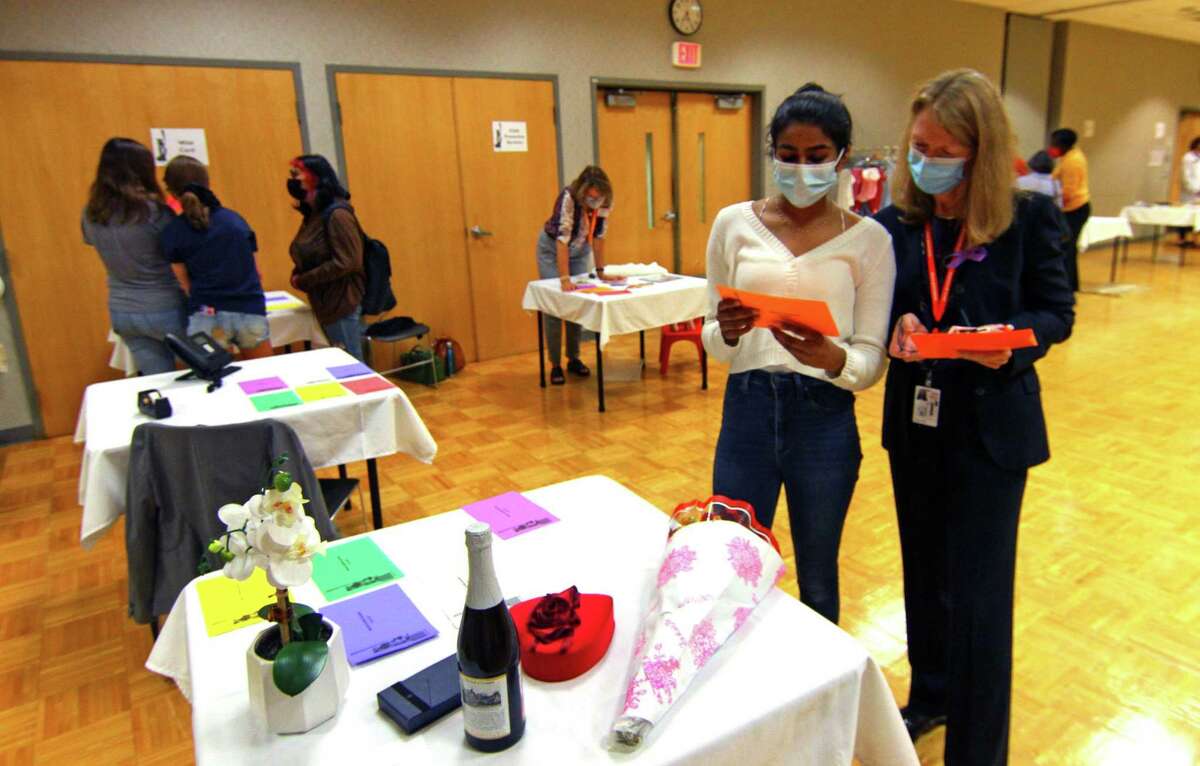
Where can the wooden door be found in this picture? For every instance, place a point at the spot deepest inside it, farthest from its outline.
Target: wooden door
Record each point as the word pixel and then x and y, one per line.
pixel 401 153
pixel 635 151
pixel 55 117
pixel 1187 132
pixel 507 197
pixel 714 169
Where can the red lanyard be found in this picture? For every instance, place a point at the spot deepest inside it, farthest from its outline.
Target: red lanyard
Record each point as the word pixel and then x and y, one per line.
pixel 940 298
pixel 592 216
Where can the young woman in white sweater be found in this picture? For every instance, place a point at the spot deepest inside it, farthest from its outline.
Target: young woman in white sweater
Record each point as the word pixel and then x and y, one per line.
pixel 788 418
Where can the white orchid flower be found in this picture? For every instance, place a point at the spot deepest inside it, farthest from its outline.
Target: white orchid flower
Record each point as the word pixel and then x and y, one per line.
pixel 293 565
pixel 287 507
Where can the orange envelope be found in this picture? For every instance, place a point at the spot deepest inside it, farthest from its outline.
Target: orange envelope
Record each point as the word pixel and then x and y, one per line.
pixel 773 309
pixel 946 345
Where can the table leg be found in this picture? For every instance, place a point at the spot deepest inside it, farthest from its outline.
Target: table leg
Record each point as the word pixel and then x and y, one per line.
pixel 373 483
pixel 1154 244
pixel 642 345
pixel 1112 272
pixel 703 370
pixel 541 351
pixel 599 372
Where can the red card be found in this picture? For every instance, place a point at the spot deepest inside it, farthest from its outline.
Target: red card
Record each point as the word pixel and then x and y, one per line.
pixel 774 309
pixel 367 385
pixel 946 345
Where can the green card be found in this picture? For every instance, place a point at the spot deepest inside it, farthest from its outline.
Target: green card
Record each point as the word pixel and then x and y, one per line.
pixel 229 604
pixel 352 567
pixel 320 391
pixel 275 400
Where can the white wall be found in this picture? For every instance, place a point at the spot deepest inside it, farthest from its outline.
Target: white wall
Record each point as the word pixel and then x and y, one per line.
pixel 1027 80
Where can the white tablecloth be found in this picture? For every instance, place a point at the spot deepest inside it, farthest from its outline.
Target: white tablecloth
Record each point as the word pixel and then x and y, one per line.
pixel 334 431
pixel 643 308
pixel 1163 215
pixel 789 688
pixel 291 325
pixel 1104 229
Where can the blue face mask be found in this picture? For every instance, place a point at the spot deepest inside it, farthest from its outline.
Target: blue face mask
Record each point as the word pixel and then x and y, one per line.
pixel 803 185
pixel 935 175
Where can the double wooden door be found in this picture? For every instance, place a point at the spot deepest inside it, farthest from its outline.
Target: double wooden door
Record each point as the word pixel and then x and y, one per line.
pixel 54 118
pixel 675 159
pixel 460 218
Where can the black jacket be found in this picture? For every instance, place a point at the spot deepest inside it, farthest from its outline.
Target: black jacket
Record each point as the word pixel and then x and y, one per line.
pixel 1022 282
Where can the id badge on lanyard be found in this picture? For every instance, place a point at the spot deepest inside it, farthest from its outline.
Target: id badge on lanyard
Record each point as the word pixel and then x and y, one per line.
pixel 927 400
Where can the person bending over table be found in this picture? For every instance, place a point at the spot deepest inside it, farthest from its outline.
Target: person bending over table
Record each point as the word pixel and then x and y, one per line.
pixel 969 251
pixel 124 216
pixel 788 418
pixel 571 237
pixel 211 249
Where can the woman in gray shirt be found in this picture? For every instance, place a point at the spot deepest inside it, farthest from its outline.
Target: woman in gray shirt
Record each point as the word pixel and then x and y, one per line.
pixel 123 219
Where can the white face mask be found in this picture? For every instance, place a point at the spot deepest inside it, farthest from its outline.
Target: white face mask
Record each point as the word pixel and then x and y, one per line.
pixel 593 202
pixel 803 184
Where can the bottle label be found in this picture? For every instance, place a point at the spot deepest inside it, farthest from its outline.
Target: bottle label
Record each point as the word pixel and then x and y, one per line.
pixel 485 706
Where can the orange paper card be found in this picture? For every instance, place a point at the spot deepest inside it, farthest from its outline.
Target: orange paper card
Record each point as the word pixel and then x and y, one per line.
pixel 773 309
pixel 946 345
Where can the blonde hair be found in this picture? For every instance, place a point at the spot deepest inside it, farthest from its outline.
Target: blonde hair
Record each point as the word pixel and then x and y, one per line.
pixel 183 171
pixel 969 107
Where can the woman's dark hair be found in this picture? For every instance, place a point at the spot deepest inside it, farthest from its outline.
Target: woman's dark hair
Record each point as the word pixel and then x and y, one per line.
pixel 187 179
pixel 595 178
pixel 328 188
pixel 1064 138
pixel 813 105
pixel 1195 144
pixel 1041 162
pixel 125 189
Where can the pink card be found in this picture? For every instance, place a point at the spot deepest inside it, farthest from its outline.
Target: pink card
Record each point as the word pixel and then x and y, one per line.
pixel 367 385
pixel 510 514
pixel 262 384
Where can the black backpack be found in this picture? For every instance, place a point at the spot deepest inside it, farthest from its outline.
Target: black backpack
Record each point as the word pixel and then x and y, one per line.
pixel 377 266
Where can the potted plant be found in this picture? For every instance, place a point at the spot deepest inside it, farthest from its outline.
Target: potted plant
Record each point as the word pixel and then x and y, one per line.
pixel 297 668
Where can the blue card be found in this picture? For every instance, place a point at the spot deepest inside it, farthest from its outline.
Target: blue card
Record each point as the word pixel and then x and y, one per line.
pixel 378 623
pixel 350 370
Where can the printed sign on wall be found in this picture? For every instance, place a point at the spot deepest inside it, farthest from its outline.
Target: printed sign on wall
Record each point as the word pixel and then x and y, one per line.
pixel 167 143
pixel 509 136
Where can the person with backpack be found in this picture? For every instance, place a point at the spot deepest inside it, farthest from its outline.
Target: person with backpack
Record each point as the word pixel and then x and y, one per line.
pixel 327 251
pixel 211 248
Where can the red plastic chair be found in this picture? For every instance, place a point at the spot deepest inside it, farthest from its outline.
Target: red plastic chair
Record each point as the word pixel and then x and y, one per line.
pixel 680 331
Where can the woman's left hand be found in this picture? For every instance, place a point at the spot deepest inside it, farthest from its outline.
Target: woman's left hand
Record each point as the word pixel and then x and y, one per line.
pixel 810 347
pixel 991 359
pixel 605 278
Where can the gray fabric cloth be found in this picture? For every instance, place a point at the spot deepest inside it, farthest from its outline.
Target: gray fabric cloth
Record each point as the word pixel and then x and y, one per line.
pixel 178 478
pixel 140 279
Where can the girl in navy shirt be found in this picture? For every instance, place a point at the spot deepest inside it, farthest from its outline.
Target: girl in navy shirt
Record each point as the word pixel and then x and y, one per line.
pixel 211 249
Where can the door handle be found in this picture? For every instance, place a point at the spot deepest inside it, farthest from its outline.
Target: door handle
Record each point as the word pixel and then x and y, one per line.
pixel 670 215
pixel 478 232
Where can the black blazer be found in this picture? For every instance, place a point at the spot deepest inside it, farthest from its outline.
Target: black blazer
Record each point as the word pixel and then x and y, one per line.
pixel 1022 282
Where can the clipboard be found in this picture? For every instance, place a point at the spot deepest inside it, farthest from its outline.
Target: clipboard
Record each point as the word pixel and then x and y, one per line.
pixel 774 309
pixel 946 345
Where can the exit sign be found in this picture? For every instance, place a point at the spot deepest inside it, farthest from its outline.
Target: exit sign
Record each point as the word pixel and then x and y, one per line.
pixel 685 55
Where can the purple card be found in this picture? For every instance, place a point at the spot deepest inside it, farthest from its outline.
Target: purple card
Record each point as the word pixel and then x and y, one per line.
pixel 510 514
pixel 350 370
pixel 272 297
pixel 262 384
pixel 378 623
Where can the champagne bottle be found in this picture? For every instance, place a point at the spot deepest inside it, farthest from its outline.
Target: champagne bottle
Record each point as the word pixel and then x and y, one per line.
pixel 489 656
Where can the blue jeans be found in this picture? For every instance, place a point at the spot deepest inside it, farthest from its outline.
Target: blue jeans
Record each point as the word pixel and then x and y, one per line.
pixel 790 430
pixel 579 261
pixel 245 331
pixel 144 333
pixel 347 333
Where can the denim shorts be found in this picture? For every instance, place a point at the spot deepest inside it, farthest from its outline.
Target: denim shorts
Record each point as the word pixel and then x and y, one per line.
pixel 231 328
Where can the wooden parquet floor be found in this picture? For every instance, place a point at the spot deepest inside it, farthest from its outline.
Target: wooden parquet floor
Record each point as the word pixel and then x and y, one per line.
pixel 1108 598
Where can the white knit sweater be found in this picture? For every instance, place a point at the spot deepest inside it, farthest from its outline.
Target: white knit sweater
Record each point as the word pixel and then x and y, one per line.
pixel 854 273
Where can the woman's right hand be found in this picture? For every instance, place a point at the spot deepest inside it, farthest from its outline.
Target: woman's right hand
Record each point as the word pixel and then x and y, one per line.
pixel 565 284
pixel 902 346
pixel 735 320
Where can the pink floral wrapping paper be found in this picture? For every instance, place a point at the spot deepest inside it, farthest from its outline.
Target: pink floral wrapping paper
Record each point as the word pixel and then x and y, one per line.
pixel 712 576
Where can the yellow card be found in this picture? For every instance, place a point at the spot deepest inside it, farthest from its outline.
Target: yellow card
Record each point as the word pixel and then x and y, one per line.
pixel 319 391
pixel 228 604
